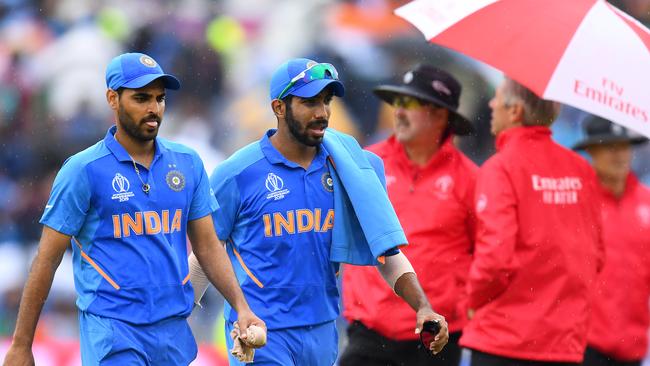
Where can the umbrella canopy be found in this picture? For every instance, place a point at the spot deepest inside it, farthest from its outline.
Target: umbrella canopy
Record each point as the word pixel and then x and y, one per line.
pixel 585 53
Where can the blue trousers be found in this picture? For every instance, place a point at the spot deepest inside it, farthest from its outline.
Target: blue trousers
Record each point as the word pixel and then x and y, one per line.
pixel 108 342
pixel 313 345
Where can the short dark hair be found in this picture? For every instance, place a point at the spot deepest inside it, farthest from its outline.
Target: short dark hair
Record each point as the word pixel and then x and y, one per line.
pixel 287 99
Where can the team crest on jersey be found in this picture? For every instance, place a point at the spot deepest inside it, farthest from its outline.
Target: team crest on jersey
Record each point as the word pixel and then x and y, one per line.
pixel 481 203
pixel 327 182
pixel 643 212
pixel 175 180
pixel 275 185
pixel 443 187
pixel 390 180
pixel 122 187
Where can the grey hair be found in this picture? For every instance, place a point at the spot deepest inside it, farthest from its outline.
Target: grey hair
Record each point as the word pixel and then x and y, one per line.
pixel 537 111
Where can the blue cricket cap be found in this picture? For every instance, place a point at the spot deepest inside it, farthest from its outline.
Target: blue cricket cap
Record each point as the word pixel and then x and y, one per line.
pixel 135 70
pixel 290 69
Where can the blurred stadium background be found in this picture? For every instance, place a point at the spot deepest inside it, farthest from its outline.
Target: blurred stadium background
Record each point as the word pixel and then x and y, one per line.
pixel 53 54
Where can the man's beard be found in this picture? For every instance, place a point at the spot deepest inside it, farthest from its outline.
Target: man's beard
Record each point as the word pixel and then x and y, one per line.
pixel 132 128
pixel 301 135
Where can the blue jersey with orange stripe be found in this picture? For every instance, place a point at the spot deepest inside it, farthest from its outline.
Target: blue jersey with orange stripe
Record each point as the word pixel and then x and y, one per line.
pixel 276 218
pixel 130 247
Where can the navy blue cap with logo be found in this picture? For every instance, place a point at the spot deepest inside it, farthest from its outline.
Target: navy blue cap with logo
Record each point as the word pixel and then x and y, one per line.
pixel 136 70
pixel 304 78
pixel 432 85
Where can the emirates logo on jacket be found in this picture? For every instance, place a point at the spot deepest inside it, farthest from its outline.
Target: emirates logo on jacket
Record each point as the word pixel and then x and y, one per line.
pixel 557 190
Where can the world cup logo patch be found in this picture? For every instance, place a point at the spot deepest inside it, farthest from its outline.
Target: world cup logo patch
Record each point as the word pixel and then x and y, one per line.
pixel 175 180
pixel 327 181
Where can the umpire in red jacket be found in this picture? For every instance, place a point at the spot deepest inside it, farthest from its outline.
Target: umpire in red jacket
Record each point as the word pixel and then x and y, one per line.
pixel 431 185
pixel 618 332
pixel 538 244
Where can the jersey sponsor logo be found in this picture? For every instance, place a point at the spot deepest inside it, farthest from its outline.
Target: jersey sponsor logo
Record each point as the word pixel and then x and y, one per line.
pixel 121 187
pixel 643 212
pixel 328 182
pixel 175 180
pixel 443 186
pixel 147 223
pixel 557 191
pixel 275 185
pixel 297 221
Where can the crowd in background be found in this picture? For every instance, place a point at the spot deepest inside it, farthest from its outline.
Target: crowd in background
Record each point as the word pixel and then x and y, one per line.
pixel 53 56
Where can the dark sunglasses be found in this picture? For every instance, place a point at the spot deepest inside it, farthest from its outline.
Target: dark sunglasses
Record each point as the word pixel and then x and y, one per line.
pixel 407 102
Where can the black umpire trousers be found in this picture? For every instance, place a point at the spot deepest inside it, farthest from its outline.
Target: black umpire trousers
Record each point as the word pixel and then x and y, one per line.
pixel 486 359
pixel 596 358
pixel 368 348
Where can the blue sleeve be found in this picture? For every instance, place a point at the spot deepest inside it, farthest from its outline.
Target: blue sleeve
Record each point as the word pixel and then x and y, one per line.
pixel 69 200
pixel 378 165
pixel 203 201
pixel 227 193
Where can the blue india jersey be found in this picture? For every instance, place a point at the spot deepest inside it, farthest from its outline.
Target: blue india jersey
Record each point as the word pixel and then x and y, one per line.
pixel 276 218
pixel 129 247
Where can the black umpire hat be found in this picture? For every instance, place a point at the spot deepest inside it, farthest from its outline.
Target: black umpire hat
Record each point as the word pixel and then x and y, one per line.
pixel 432 85
pixel 602 131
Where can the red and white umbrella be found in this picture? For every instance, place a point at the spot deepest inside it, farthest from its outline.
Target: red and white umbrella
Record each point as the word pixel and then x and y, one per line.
pixel 585 53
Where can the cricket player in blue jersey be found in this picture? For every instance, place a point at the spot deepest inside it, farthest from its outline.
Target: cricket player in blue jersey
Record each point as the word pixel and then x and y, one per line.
pixel 125 205
pixel 277 214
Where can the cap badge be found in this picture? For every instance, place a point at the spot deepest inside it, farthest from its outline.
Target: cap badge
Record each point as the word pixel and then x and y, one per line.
pixel 147 61
pixel 440 87
pixel 408 77
pixel 617 130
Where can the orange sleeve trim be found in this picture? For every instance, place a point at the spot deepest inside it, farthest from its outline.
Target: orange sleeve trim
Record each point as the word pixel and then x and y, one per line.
pixel 95 266
pixel 187 278
pixel 248 272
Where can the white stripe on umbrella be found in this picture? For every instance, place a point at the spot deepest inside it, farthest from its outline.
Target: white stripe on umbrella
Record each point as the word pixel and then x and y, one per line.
pixel 585 53
pixel 603 86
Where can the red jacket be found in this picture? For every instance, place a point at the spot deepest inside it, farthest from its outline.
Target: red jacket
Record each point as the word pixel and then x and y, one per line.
pixel 537 252
pixel 434 205
pixel 619 323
